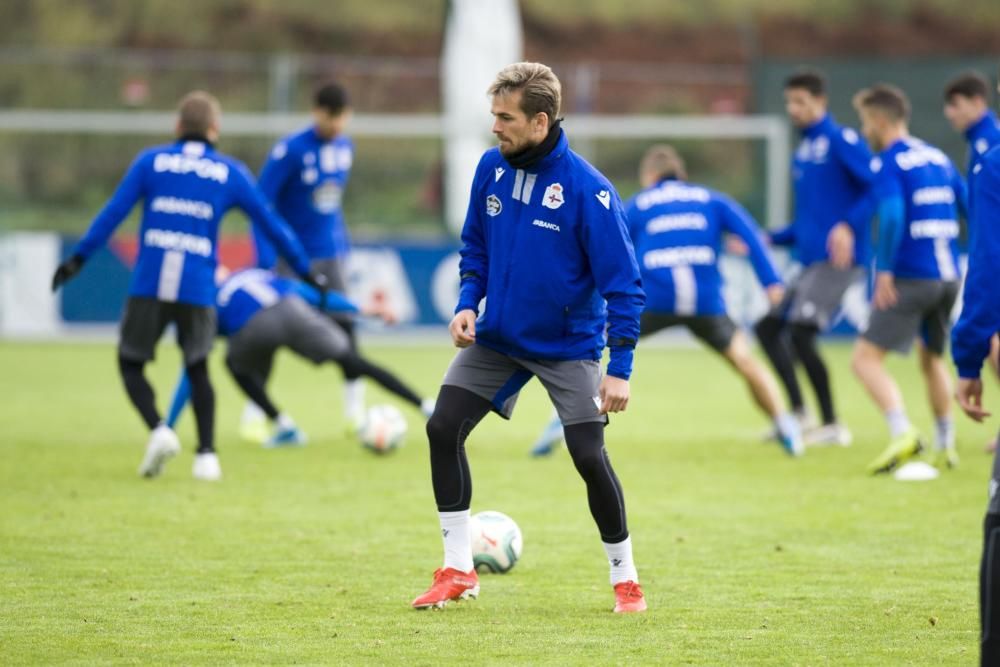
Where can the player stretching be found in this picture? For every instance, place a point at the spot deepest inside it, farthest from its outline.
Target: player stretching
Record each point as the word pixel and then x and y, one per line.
pixel 545 242
pixel 677 229
pixel 261 312
pixel 186 188
pixel 305 177
pixel 829 236
pixel 979 321
pixel 918 190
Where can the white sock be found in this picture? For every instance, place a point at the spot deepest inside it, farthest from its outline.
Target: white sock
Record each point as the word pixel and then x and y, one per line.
pixel 457 543
pixel 620 559
pixel 252 412
pixel 944 432
pixel 787 425
pixel 899 423
pixel 354 397
pixel 285 422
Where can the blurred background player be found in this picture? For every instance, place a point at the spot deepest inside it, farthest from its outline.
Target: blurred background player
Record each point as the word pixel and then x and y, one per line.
pixel 830 238
pixel 261 312
pixel 186 188
pixel 919 192
pixel 677 229
pixel 305 177
pixel 545 241
pixel 971 338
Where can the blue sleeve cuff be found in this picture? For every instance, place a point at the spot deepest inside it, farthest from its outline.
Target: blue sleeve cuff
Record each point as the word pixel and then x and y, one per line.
pixel 970 372
pixel 620 365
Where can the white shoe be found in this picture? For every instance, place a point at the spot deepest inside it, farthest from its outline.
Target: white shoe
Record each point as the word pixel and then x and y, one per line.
pixel 162 446
pixel 807 422
pixel 206 467
pixel 828 435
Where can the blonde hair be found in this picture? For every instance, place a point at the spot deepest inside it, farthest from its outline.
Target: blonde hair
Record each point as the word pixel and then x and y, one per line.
pixel 197 112
pixel 663 161
pixel 540 89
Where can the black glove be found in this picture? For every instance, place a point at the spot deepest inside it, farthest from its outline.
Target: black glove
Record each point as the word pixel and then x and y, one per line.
pixel 319 283
pixel 67 270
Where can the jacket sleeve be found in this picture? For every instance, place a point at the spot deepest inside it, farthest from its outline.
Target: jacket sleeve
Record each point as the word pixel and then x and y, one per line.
pixel 887 195
pixel 474 267
pixel 273 177
pixel 128 192
pixel 980 317
pixel 616 275
pixel 335 302
pixel 262 216
pixel 784 236
pixel 737 220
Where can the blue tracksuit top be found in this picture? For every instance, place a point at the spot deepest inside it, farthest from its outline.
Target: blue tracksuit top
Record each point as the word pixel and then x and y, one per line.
pixel 929 191
pixel 982 135
pixel 305 177
pixel 550 251
pixel 831 176
pixel 980 318
pixel 245 293
pixel 186 188
pixel 677 229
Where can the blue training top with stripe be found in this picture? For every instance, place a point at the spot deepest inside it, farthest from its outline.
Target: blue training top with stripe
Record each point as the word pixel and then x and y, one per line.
pixel 677 229
pixel 831 175
pixel 919 193
pixel 305 177
pixel 549 249
pixel 186 188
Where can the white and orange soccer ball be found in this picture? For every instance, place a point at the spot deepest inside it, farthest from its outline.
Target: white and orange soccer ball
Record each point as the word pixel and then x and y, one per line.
pixel 384 429
pixel 496 542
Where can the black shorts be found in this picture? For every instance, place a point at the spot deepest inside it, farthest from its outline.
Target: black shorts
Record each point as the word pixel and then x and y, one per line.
pixel 716 331
pixel 923 308
pixel 146 318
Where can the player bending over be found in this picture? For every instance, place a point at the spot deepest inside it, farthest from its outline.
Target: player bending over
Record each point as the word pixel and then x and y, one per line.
pixel 545 241
pixel 678 229
pixel 261 312
pixel 918 192
pixel 186 188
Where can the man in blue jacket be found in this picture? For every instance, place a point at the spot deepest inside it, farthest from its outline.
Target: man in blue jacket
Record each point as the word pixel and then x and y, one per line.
pixel 186 188
pixel 970 346
pixel 829 237
pixel 305 177
pixel 919 194
pixel 678 229
pixel 545 242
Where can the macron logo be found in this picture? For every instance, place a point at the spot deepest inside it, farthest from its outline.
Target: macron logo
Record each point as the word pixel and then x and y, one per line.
pixel 605 198
pixel 499 172
pixel 546 225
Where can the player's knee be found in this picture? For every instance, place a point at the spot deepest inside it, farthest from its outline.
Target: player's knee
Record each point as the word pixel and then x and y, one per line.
pixel 352 365
pixel 443 430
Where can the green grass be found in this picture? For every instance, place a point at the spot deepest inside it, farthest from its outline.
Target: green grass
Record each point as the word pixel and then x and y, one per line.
pixel 313 555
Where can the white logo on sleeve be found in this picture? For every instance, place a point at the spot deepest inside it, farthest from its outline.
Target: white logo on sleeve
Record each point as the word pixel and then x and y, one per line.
pixel 553 197
pixel 279 151
pixel 982 145
pixel 499 172
pixel 605 198
pixel 850 136
pixel 493 206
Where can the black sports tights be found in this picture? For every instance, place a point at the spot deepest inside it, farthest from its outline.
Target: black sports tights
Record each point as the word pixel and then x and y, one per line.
pixel 458 411
pixel 804 341
pixel 139 391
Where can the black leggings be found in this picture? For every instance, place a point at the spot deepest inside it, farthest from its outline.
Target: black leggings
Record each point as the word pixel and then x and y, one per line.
pixel 784 343
pixel 458 411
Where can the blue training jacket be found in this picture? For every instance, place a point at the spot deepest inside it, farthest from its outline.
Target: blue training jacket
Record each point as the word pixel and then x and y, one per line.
pixel 831 175
pixel 982 135
pixel 919 193
pixel 550 251
pixel 245 293
pixel 677 229
pixel 980 318
pixel 186 187
pixel 305 177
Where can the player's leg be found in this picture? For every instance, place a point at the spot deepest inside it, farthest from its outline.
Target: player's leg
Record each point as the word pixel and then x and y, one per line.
pixel 772 334
pixel 934 333
pixel 335 271
pixel 142 325
pixel 989 575
pixel 477 381
pixel 196 330
pixel 574 387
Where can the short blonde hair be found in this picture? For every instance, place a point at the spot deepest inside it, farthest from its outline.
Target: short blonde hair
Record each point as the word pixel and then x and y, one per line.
pixel 663 161
pixel 197 112
pixel 540 89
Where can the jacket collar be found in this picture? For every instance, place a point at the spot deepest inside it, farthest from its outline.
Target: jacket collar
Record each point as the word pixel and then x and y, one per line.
pixel 560 149
pixel 979 128
pixel 819 127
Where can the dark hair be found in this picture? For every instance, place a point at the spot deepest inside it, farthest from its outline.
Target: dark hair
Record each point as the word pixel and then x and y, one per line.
pixel 884 97
pixel 332 97
pixel 969 84
pixel 811 80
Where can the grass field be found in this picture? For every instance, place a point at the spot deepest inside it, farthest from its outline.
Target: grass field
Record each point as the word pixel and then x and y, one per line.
pixel 312 556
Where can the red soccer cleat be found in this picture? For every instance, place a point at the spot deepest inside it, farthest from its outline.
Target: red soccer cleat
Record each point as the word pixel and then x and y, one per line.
pixel 629 598
pixel 450 584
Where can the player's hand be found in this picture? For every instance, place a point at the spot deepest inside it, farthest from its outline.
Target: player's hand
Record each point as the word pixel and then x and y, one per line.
pixel 775 294
pixel 379 307
pixel 614 394
pixel 737 246
pixel 840 245
pixel 319 283
pixel 969 395
pixel 886 295
pixel 463 328
pixel 66 270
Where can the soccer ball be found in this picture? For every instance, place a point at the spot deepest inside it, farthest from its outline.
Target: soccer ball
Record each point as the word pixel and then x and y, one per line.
pixel 384 429
pixel 496 542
